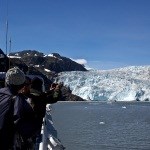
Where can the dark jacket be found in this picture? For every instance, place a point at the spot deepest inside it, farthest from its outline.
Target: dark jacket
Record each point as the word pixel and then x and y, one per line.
pixel 39 100
pixel 24 119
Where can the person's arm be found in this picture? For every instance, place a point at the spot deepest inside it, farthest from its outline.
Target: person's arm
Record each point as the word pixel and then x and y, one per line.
pixel 54 94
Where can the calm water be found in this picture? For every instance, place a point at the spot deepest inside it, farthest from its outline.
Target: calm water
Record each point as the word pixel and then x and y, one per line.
pixel 103 126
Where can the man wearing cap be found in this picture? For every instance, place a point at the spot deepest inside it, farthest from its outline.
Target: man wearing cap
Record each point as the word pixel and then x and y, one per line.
pixel 24 120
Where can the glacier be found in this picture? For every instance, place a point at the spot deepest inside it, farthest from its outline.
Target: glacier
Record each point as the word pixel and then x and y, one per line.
pixel 122 84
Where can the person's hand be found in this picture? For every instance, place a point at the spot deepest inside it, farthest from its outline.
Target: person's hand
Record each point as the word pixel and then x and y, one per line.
pixel 53 86
pixel 56 86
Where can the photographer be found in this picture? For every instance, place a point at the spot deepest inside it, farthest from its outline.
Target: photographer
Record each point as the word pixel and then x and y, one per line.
pixel 38 99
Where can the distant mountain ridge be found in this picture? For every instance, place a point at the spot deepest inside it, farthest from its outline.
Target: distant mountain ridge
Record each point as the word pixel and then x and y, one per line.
pixel 53 62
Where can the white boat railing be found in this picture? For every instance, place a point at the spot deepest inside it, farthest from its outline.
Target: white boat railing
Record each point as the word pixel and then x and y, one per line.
pixel 49 140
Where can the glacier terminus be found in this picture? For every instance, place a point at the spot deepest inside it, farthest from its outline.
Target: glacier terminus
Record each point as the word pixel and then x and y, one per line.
pixel 122 84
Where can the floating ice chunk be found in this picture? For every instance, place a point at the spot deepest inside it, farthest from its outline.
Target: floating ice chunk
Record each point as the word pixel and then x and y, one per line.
pixel 124 107
pixel 101 122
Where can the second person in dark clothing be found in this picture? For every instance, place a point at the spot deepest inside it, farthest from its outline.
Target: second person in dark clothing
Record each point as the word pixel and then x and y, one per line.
pixel 38 98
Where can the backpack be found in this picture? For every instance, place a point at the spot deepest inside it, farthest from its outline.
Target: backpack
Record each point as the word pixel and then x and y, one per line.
pixel 6 120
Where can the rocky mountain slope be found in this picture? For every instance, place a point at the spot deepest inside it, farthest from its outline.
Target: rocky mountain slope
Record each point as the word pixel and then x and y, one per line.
pixel 52 62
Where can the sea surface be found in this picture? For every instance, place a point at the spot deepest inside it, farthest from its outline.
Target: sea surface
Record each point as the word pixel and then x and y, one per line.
pixel 102 125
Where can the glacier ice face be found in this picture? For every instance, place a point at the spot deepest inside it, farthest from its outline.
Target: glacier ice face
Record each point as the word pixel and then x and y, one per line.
pixel 123 84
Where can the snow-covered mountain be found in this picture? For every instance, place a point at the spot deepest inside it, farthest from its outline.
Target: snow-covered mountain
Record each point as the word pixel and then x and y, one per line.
pixel 123 84
pixel 47 63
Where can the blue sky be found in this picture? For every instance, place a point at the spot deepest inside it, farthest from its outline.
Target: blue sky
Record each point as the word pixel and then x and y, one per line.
pixel 106 34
